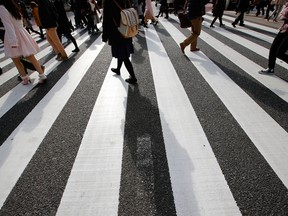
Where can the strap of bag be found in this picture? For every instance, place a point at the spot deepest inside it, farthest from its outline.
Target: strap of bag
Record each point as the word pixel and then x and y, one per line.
pixel 120 6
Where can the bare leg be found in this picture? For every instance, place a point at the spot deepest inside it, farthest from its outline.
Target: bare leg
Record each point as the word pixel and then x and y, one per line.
pixel 36 64
pixel 19 66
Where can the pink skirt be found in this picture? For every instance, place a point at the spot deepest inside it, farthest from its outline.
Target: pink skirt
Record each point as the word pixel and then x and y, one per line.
pixel 27 46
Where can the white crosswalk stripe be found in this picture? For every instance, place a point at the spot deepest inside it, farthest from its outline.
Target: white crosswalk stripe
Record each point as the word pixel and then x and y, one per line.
pixel 113 163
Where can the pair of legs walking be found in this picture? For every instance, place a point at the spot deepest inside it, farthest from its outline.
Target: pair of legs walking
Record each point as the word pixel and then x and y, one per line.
pixel 21 69
pixel 129 67
pixel 214 20
pixel 56 44
pixel 278 49
pixel 192 39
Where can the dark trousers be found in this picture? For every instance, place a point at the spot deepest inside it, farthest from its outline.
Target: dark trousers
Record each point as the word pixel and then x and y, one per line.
pixel 278 49
pixel 240 18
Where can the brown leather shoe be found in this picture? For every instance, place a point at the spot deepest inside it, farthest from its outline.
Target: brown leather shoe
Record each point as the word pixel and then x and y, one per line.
pixel 194 50
pixel 182 46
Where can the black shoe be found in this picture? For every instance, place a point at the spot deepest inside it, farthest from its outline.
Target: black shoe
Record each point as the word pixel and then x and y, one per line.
pixel 131 80
pixel 0 71
pixel 212 26
pixel 222 25
pixel 267 71
pixel 241 24
pixel 115 70
pixel 76 50
pixel 234 25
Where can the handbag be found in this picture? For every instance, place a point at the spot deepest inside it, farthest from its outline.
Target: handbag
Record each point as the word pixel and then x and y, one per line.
pixel 27 64
pixel 184 21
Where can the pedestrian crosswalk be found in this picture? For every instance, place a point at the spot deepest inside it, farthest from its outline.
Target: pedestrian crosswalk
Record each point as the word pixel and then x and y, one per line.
pixel 201 134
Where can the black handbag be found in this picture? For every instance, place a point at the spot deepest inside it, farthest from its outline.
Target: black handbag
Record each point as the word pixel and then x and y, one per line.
pixel 184 21
pixel 27 64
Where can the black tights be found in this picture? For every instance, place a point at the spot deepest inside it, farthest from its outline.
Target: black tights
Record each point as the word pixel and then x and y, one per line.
pixel 128 66
pixel 69 36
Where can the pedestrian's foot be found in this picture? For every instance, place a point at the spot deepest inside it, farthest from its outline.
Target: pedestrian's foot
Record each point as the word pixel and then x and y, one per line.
pixel 234 25
pixel 131 80
pixel 195 50
pixel 116 71
pixel 42 78
pixel 182 46
pixel 58 56
pixel 62 58
pixel 76 50
pixel 241 24
pixel 212 26
pixel 222 25
pixel 267 71
pixel 25 80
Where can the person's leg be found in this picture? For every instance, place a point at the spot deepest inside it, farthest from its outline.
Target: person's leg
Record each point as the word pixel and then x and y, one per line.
pixel 20 67
pixel 283 47
pixel 119 65
pixel 221 22
pixel 195 32
pixel 274 50
pixel 69 36
pixel 213 21
pixel 38 67
pixel 241 18
pixel 129 66
pixel 55 43
pixel 197 26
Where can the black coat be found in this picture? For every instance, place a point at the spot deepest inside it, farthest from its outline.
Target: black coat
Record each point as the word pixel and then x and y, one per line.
pixel 47 14
pixel 111 21
pixel 196 8
pixel 218 7
pixel 242 5
pixel 64 25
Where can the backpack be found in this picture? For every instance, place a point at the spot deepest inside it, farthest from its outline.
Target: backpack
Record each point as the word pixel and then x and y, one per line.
pixel 129 22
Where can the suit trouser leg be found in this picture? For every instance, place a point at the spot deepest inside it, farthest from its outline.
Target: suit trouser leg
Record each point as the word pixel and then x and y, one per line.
pixel 278 49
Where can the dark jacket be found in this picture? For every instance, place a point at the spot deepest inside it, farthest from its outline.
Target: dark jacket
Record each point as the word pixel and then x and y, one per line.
pixel 64 25
pixel 218 7
pixel 111 21
pixel 196 8
pixel 47 14
pixel 242 5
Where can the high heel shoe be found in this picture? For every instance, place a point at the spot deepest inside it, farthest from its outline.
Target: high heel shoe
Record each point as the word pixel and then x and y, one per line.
pixel 25 80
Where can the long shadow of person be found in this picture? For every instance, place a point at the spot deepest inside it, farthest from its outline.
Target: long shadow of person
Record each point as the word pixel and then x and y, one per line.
pixel 145 178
